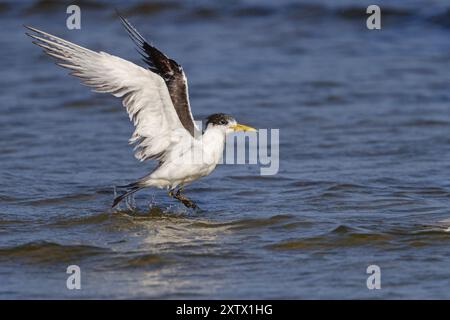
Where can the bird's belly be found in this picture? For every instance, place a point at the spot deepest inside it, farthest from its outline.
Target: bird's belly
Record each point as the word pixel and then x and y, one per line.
pixel 183 173
pixel 195 172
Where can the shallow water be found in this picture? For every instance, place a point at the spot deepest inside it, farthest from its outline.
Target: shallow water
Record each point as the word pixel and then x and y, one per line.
pixel 364 155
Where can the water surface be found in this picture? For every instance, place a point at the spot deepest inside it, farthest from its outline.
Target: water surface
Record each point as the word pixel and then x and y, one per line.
pixel 364 155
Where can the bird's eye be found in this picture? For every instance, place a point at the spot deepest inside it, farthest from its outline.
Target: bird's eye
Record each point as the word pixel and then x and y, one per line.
pixel 223 122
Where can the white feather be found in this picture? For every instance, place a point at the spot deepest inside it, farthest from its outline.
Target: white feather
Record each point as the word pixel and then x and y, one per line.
pixel 159 133
pixel 144 93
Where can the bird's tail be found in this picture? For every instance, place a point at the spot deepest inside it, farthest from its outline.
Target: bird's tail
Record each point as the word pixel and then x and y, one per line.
pixel 129 190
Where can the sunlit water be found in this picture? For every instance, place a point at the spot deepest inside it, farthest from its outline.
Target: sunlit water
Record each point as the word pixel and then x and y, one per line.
pixel 364 155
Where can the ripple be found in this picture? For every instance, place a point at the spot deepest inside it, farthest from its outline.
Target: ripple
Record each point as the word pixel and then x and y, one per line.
pixel 59 200
pixel 305 183
pixel 259 178
pixel 344 236
pixel 425 123
pixel 360 12
pixel 442 19
pixel 244 223
pixel 55 5
pixel 253 11
pixel 260 223
pixel 85 103
pixel 146 260
pixel 151 8
pixel 5 198
pixel 325 84
pixel 91 219
pixel 425 191
pixel 361 179
pixel 340 241
pixel 123 219
pixel 4 7
pixel 49 252
pixel 10 222
pixel 346 187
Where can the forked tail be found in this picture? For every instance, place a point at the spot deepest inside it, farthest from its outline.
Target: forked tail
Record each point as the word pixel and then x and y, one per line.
pixel 129 190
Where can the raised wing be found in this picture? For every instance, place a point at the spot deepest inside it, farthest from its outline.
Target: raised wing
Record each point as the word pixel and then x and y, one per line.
pixel 144 93
pixel 171 72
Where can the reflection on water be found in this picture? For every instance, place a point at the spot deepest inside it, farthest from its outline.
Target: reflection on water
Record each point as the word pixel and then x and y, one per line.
pixel 364 151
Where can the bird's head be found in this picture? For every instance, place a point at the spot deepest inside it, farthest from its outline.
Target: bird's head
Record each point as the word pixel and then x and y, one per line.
pixel 226 123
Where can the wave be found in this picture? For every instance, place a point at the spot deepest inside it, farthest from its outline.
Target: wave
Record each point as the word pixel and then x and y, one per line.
pixel 150 8
pixel 59 200
pixel 344 236
pixel 55 5
pixel 442 19
pixel 244 223
pixel 49 252
pixel 288 9
pixel 146 260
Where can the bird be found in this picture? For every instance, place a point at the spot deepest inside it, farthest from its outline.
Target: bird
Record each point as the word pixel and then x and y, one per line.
pixel 156 99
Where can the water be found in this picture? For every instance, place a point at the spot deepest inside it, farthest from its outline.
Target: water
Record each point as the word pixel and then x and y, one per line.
pixel 364 155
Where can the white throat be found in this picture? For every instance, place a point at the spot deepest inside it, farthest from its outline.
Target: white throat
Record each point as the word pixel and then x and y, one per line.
pixel 213 144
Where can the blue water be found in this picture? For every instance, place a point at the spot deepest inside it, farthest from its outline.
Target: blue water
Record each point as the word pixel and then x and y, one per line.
pixel 364 155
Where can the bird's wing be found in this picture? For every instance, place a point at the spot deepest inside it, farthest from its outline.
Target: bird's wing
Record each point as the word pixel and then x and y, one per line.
pixel 170 71
pixel 144 93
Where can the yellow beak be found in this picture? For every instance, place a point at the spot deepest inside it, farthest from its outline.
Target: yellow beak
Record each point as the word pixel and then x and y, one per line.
pixel 241 127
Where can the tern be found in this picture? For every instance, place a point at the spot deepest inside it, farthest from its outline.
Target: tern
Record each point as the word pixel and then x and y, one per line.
pixel 156 99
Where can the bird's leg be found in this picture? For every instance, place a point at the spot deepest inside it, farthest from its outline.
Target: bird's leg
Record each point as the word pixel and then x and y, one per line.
pixel 187 202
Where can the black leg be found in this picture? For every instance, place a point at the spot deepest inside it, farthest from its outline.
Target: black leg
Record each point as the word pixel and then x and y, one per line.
pixel 187 202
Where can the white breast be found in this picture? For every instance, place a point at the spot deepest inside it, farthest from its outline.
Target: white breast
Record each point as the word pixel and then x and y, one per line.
pixel 183 170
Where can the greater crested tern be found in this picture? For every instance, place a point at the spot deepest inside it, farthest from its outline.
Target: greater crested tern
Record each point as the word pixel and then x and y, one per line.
pixel 157 102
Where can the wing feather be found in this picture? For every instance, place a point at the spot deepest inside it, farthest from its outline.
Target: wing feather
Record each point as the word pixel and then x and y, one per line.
pixel 170 71
pixel 144 93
